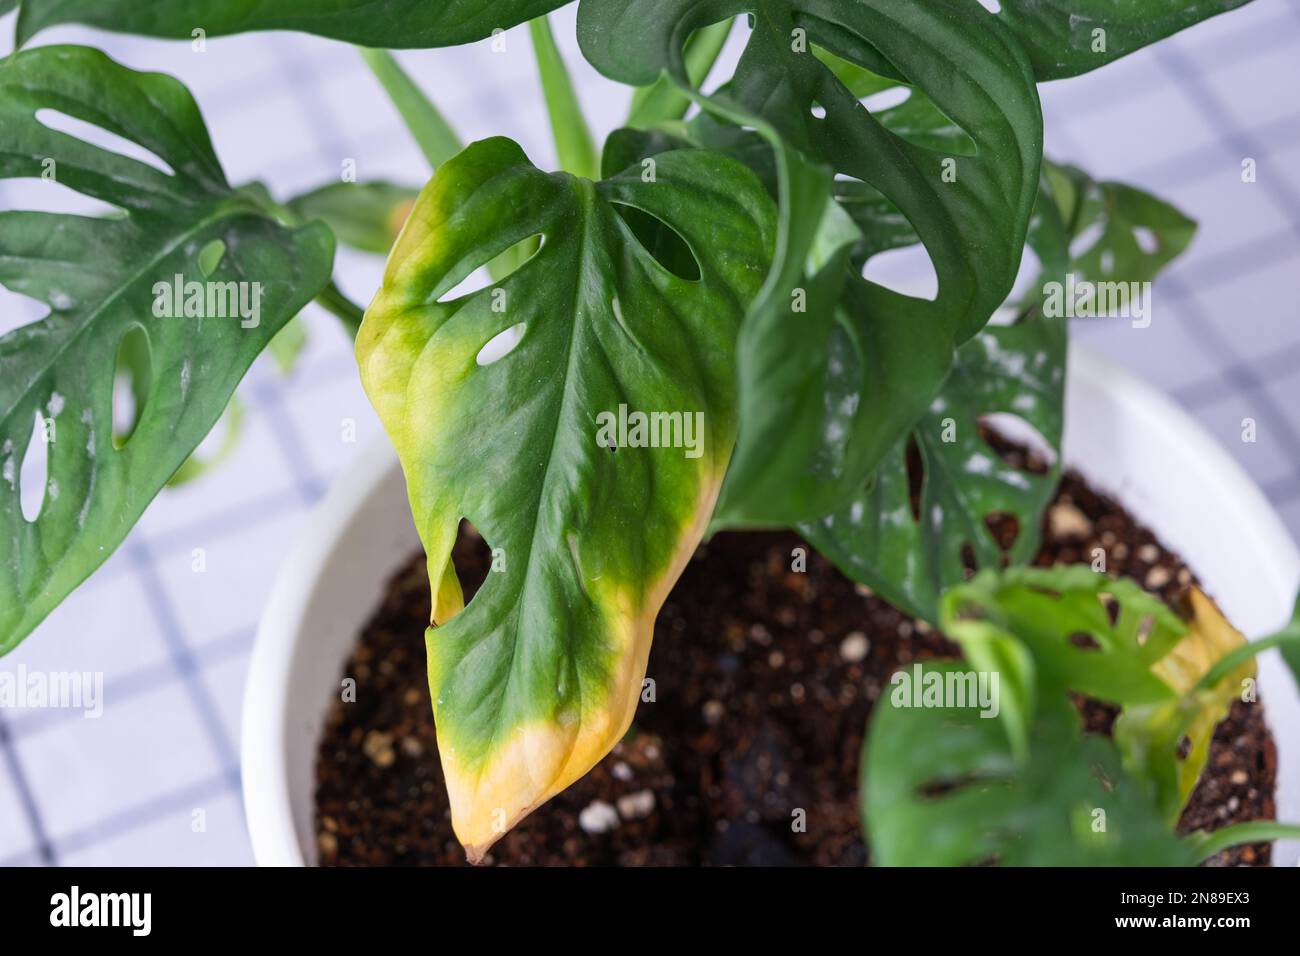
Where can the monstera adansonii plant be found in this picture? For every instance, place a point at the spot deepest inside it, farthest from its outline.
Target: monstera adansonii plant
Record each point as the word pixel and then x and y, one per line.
pixel 711 265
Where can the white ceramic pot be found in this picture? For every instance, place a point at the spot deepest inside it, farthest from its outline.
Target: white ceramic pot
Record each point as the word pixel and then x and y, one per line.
pixel 1125 437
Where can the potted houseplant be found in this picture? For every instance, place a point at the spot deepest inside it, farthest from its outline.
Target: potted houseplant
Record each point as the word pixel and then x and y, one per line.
pixel 680 335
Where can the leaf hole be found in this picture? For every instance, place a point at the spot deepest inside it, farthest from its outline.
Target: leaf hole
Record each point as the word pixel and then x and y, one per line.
pixel 472 557
pixel 1017 442
pixel 505 265
pixel 1147 240
pixel 1085 240
pixel 34 195
pixel 34 477
pixel 1004 527
pixel 947 786
pixel 18 310
pixel 992 6
pixel 661 242
pixel 500 345
pixel 888 99
pixel 105 139
pixel 1084 641
pixel 915 466
pixel 908 271
pixel 132 381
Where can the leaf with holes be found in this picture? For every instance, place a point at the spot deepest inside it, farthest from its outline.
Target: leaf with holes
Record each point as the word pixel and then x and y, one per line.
pixel 588 455
pixel 1118 233
pixel 395 24
pixel 1088 633
pixel 932 504
pixel 191 270
pixel 857 362
pixel 941 786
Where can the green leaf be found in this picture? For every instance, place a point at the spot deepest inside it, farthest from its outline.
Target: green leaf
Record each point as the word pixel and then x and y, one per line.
pixel 910 552
pixel 941 786
pixel 1069 37
pixel 367 216
pixel 397 24
pixel 1126 234
pixel 1051 610
pixel 101 278
pixel 537 678
pixel 855 362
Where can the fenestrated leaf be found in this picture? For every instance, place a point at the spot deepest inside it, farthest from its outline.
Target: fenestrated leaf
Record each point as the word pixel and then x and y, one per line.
pixel 860 362
pixel 944 785
pixel 1063 615
pixel 366 216
pixel 396 24
pixel 537 678
pixel 941 787
pixel 1117 232
pixel 1069 37
pixel 100 278
pixel 911 550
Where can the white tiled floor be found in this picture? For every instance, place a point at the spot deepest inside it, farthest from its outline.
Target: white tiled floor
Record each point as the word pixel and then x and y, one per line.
pixel 288 110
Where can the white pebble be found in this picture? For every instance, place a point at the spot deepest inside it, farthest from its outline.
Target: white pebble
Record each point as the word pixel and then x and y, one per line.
pixel 854 647
pixel 598 817
pixel 636 806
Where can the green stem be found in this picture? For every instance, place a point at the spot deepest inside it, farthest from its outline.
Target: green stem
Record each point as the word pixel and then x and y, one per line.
pixel 348 312
pixel 435 136
pixel 573 140
pixel 662 100
pixel 1255 831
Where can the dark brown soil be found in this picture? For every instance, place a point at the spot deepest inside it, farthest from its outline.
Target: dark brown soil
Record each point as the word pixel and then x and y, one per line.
pixel 764 679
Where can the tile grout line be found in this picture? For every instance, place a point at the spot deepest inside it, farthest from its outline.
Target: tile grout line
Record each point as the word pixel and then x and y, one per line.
pixel 183 657
pixel 26 797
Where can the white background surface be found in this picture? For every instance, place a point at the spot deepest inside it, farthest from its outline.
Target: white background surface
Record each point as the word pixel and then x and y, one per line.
pixel 288 110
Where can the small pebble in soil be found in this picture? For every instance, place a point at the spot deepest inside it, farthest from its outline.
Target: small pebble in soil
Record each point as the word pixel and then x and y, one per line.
pixel 1067 521
pixel 854 647
pixel 598 817
pixel 636 806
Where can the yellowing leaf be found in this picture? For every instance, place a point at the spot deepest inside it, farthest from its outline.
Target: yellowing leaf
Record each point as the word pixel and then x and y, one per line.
pixel 538 677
